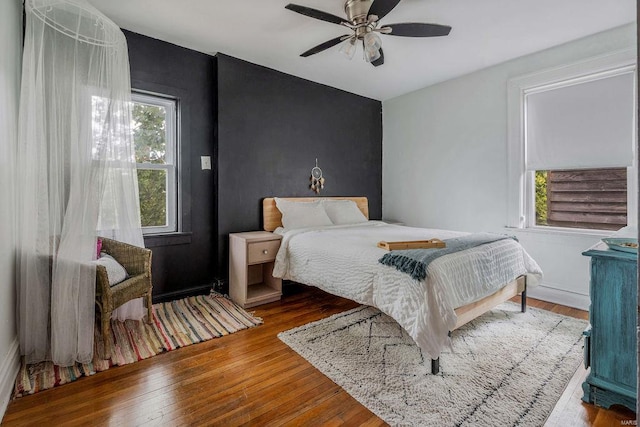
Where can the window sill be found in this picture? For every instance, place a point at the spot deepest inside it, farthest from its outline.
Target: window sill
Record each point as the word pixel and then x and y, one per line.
pixel 557 231
pixel 168 239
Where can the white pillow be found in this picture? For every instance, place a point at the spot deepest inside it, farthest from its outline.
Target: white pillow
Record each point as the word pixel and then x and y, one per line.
pixel 342 212
pixel 115 271
pixel 302 214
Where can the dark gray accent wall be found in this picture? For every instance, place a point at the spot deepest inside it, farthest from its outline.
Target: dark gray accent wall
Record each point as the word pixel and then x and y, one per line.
pixel 272 127
pixel 187 260
pixel 269 128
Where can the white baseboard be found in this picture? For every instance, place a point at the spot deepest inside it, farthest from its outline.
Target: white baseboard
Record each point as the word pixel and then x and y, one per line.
pixel 560 296
pixel 8 372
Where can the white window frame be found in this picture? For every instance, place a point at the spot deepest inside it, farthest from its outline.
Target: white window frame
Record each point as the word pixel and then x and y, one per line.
pixel 171 158
pixel 520 182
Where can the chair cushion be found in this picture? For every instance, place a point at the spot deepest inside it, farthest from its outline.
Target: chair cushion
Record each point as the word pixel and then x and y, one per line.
pixel 115 271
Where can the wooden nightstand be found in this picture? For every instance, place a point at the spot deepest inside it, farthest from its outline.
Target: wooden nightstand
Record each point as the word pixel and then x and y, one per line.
pixel 251 259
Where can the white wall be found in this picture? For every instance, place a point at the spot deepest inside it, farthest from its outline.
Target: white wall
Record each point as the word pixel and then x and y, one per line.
pixel 10 61
pixel 445 160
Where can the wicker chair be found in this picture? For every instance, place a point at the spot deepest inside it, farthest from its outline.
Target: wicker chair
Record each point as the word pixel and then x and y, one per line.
pixel 137 262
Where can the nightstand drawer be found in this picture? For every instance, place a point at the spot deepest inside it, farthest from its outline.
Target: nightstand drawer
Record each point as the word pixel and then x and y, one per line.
pixel 262 251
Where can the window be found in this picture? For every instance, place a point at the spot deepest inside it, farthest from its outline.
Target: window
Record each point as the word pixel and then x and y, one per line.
pixel 155 137
pixel 571 146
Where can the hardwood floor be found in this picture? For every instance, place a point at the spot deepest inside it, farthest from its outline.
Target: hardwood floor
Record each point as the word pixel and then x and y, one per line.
pixel 249 377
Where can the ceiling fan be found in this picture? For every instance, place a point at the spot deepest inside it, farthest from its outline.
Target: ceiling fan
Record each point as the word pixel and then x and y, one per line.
pixel 363 18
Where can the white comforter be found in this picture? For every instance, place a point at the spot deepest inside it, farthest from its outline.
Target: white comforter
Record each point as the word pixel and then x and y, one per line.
pixel 343 260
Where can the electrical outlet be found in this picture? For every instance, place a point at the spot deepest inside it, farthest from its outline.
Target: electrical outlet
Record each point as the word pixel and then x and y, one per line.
pixel 219 285
pixel 206 162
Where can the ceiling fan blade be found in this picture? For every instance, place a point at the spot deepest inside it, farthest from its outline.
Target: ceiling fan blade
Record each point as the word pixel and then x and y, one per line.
pixel 380 60
pixel 314 13
pixel 381 8
pixel 323 46
pixel 416 29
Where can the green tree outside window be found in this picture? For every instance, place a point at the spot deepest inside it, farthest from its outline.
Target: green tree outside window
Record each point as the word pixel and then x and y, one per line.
pixel 541 197
pixel 149 133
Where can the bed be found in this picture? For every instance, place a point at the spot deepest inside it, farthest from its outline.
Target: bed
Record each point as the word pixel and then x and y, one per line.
pixel 343 260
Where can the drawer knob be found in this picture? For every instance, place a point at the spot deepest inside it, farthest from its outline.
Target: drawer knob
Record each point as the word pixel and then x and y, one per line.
pixel 265 252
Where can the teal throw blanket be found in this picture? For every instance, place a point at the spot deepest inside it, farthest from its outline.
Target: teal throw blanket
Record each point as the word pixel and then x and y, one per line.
pixel 415 261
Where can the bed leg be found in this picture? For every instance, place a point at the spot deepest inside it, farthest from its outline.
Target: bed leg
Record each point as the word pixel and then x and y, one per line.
pixel 435 366
pixel 523 299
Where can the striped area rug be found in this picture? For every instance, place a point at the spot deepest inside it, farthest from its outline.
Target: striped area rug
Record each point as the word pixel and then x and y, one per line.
pixel 175 324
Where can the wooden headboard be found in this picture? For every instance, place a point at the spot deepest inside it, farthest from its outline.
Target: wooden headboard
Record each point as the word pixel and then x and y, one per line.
pixel 272 218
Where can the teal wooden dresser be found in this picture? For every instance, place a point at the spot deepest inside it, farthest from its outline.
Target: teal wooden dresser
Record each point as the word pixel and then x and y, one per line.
pixel 610 340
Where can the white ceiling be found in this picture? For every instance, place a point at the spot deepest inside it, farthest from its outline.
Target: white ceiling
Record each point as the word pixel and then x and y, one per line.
pixel 485 32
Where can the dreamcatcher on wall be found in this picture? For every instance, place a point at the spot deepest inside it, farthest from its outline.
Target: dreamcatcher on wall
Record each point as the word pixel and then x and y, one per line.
pixel 317 181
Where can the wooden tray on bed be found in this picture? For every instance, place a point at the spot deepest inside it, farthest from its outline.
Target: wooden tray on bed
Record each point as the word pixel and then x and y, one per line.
pixel 412 244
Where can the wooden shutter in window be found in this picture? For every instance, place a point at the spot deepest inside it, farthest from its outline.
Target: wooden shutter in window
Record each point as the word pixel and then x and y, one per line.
pixel 587 198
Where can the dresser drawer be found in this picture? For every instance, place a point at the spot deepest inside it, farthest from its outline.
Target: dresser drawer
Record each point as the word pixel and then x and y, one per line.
pixel 262 251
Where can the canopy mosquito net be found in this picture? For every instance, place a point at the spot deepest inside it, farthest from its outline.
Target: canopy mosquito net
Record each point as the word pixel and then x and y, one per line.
pixel 76 173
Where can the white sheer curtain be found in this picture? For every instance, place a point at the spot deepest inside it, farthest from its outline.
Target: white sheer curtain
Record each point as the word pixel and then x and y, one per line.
pixel 75 164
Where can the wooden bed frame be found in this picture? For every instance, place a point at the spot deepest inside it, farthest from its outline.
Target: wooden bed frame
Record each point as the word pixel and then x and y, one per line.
pixel 272 219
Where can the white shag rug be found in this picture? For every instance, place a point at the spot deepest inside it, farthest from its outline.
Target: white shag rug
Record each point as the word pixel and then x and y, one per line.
pixel 506 368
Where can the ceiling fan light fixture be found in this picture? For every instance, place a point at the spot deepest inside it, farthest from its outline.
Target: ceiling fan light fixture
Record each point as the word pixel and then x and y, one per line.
pixel 371 55
pixel 372 41
pixel 348 48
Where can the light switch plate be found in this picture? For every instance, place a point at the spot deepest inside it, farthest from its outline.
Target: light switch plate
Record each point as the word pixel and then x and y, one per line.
pixel 206 162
